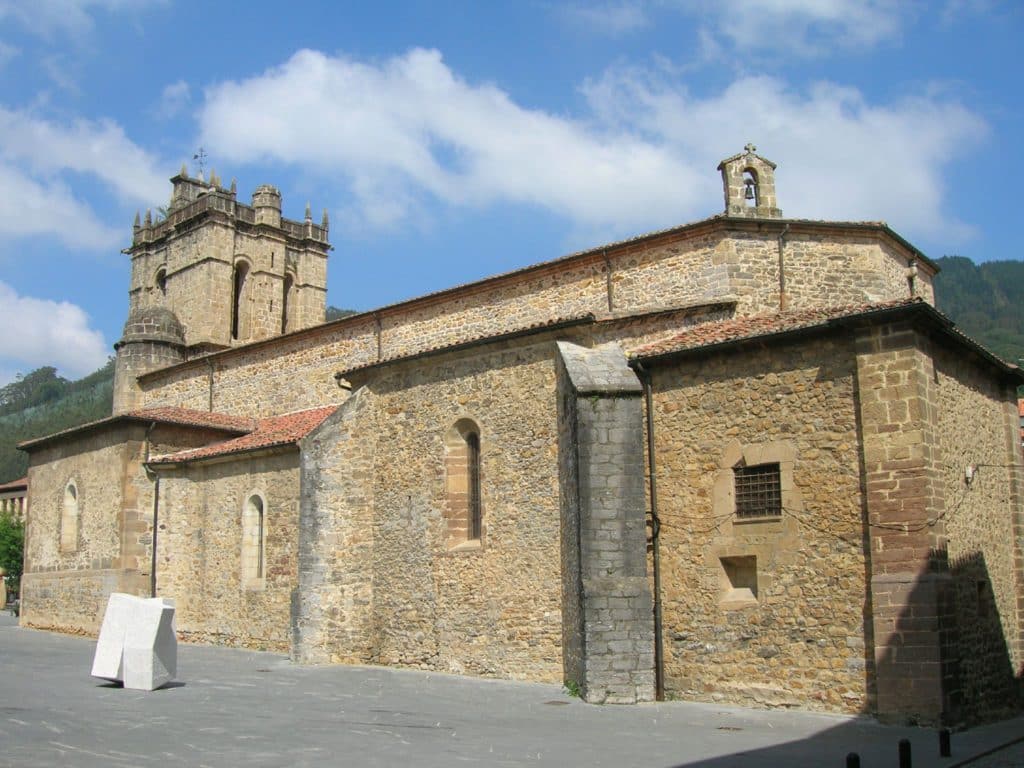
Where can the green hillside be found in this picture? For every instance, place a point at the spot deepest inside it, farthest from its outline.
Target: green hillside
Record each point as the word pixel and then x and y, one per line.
pixel 41 403
pixel 986 301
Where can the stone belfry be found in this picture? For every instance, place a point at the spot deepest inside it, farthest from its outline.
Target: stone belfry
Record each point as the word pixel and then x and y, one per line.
pixel 749 183
pixel 216 273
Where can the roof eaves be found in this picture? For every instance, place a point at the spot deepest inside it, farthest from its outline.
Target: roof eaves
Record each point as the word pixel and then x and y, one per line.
pixel 909 309
pixel 195 455
pixel 132 417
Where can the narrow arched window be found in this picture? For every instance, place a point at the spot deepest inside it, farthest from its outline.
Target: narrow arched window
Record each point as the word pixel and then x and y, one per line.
pixel 473 481
pixel 463 487
pixel 287 298
pixel 161 281
pixel 254 542
pixel 239 319
pixel 69 517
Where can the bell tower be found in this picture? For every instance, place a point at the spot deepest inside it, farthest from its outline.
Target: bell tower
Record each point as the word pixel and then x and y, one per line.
pixel 215 273
pixel 749 184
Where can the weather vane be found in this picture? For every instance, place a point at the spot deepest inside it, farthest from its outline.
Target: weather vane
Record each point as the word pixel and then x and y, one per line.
pixel 201 157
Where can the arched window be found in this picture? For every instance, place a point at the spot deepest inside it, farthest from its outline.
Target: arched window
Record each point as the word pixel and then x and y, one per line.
pixel 239 316
pixel 69 519
pixel 161 281
pixel 463 502
pixel 254 542
pixel 287 303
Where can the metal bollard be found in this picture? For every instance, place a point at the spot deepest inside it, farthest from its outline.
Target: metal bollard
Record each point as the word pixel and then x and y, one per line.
pixel 853 760
pixel 944 747
pixel 905 761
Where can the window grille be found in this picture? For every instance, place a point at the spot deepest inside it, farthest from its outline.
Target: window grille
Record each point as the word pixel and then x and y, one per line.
pixel 758 491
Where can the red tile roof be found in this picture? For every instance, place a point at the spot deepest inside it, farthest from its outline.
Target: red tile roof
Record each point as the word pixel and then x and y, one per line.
pixel 162 415
pixel 14 485
pixel 192 418
pixel 268 433
pixel 753 326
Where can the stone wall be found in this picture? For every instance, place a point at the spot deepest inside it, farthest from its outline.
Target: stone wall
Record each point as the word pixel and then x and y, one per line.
pixel 978 438
pixel 64 588
pixel 199 549
pixel 386 587
pixel 715 263
pixel 607 619
pixel 942 472
pixel 67 589
pixel 899 408
pixel 332 608
pixel 790 631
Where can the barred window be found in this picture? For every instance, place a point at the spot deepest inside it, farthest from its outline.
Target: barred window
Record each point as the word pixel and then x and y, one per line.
pixel 758 491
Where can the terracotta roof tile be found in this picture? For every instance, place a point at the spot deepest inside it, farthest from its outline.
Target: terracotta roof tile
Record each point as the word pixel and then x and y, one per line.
pixel 192 418
pixel 14 485
pixel 753 326
pixel 163 415
pixel 268 433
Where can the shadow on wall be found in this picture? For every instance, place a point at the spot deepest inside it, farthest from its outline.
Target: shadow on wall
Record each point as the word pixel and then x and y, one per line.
pixel 951 607
pixel 989 687
pixel 943 657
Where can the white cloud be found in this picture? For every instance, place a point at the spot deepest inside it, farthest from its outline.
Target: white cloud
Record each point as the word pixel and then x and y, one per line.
pixel 610 18
pixel 173 99
pixel 411 126
pixel 49 207
pixel 804 27
pixel 840 157
pixel 69 17
pixel 408 131
pixel 41 332
pixel 39 161
pixel 99 148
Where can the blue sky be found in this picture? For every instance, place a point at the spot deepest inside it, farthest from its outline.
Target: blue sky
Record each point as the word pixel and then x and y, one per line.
pixel 453 140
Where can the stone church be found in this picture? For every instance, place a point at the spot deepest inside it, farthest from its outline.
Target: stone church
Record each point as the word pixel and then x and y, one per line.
pixel 741 460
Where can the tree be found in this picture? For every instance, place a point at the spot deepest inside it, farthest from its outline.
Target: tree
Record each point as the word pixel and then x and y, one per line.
pixel 12 545
pixel 336 313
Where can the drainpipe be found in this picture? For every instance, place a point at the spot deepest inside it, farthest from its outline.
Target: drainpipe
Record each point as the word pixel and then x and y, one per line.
pixel 209 378
pixel 608 280
pixel 380 333
pixel 156 511
pixel 782 269
pixel 659 648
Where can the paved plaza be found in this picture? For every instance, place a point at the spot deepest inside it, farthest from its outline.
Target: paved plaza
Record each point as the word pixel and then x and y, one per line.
pixel 240 708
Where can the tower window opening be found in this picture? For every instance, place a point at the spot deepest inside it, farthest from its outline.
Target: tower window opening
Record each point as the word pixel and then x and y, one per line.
pixel 751 192
pixel 238 324
pixel 286 303
pixel 161 281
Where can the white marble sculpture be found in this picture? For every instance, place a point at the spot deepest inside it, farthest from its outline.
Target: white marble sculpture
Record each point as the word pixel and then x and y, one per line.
pixel 137 644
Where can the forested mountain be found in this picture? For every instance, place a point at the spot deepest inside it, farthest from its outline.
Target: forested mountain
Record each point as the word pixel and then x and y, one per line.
pixel 41 403
pixel 986 301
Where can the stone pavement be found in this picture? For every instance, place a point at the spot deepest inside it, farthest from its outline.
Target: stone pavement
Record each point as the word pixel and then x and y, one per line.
pixel 240 708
